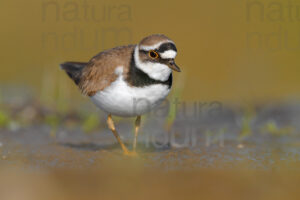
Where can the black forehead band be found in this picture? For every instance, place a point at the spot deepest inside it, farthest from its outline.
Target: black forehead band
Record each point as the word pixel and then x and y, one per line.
pixel 166 46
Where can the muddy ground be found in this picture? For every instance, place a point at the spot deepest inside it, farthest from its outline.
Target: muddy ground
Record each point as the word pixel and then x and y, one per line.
pixel 229 154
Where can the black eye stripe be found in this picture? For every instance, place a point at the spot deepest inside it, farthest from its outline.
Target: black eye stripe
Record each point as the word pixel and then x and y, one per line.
pixel 143 51
pixel 167 46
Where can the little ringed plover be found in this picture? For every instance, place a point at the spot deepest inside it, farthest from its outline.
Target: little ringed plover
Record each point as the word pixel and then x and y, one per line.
pixel 127 81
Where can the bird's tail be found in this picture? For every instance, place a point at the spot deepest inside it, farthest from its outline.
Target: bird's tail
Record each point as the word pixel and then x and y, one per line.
pixel 73 69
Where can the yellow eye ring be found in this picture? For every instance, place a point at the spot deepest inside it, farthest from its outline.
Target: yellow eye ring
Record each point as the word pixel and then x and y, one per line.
pixel 153 54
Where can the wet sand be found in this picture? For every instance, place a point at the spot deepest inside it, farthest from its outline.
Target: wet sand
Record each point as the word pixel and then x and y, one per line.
pixel 208 158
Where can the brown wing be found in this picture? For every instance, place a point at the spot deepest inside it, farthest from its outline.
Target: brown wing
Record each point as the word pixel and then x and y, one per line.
pixel 100 71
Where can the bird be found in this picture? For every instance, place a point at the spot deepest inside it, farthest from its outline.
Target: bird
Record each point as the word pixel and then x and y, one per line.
pixel 127 81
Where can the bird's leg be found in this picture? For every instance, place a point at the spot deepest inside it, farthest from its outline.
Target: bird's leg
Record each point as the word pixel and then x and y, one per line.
pixel 111 126
pixel 136 131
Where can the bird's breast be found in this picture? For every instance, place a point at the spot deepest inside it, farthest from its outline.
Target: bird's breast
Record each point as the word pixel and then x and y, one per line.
pixel 121 99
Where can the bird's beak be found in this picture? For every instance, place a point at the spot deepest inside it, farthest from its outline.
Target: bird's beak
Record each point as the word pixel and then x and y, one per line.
pixel 173 66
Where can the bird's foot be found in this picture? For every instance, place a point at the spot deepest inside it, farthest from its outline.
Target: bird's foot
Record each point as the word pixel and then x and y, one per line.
pixel 130 153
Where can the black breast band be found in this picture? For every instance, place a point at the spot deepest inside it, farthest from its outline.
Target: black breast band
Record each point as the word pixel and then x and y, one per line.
pixel 138 78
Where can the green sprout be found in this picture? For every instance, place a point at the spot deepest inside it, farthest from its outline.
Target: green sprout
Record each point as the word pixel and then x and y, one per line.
pixel 177 93
pixel 53 121
pixel 273 128
pixel 4 119
pixel 247 118
pixel 246 129
pixel 91 123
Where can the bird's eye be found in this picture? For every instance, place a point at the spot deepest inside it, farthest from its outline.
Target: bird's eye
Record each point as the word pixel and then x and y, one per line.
pixel 153 54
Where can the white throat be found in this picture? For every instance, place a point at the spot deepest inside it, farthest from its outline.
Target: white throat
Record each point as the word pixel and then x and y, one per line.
pixel 155 71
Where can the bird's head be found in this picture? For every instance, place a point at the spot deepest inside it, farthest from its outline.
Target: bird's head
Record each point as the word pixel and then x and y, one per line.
pixel 155 55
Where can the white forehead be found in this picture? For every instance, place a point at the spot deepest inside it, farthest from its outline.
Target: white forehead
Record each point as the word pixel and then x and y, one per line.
pixel 169 54
pixel 155 46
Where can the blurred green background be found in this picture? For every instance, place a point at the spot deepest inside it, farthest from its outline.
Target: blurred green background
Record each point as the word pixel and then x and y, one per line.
pixel 230 50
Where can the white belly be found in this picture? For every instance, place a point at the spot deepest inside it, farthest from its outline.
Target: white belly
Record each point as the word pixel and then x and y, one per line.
pixel 122 100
